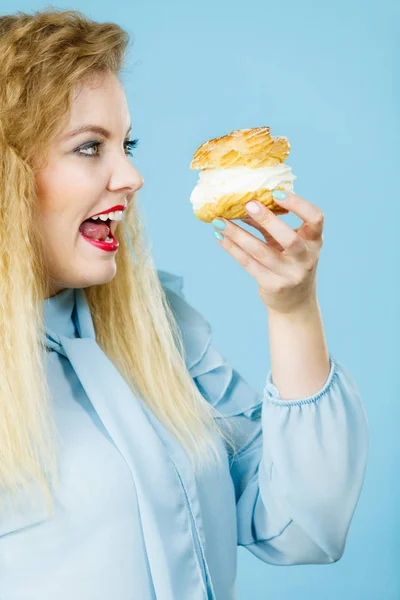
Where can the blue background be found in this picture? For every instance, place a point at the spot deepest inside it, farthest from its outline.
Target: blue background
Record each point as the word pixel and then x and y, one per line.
pixel 324 75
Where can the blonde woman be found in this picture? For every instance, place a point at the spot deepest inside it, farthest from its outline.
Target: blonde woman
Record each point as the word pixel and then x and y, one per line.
pixel 133 458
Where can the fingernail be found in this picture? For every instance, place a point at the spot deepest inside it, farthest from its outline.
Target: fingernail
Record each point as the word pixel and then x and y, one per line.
pixel 279 195
pixel 252 207
pixel 219 224
pixel 218 235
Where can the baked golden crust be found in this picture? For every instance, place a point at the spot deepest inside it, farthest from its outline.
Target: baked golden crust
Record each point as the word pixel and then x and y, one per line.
pixel 232 206
pixel 250 148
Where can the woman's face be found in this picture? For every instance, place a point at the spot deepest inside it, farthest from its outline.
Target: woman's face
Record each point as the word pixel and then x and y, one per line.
pixel 83 179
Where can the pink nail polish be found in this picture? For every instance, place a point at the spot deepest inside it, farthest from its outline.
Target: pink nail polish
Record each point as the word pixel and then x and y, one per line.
pixel 252 207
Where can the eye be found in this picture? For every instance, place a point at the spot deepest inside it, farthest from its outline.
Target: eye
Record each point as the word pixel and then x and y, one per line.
pixel 131 145
pixel 128 144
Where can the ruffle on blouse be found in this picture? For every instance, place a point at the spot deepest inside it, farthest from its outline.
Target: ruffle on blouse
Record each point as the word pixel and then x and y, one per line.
pixel 212 373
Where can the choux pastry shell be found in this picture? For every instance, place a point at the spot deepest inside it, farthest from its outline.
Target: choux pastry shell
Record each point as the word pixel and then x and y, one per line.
pixel 246 164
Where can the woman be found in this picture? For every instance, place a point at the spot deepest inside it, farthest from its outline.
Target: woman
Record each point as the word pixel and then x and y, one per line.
pixel 133 458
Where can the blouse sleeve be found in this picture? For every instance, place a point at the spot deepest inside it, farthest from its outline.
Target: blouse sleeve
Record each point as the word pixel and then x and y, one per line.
pixel 300 464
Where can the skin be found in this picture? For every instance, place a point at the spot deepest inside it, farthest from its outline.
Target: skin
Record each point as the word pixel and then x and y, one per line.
pixel 285 269
pixel 74 187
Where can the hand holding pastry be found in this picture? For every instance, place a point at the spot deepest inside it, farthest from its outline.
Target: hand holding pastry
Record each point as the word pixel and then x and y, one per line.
pixel 285 270
pixel 245 171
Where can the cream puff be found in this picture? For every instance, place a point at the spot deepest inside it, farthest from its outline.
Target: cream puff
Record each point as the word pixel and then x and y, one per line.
pixel 246 164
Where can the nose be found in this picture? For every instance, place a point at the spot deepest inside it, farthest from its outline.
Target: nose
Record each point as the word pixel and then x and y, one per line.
pixel 136 178
pixel 126 175
pixel 141 182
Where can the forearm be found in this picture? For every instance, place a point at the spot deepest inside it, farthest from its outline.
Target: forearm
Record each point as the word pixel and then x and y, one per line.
pixel 298 349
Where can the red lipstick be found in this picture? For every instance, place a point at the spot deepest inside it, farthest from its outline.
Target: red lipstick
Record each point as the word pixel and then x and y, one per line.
pixel 112 209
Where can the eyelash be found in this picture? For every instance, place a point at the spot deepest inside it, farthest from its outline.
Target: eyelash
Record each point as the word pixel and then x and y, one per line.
pixel 130 144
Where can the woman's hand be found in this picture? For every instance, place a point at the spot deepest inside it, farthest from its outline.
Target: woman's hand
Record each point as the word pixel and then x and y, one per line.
pixel 285 265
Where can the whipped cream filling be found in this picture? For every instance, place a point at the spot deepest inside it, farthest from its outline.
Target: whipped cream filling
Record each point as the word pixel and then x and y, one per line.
pixel 213 183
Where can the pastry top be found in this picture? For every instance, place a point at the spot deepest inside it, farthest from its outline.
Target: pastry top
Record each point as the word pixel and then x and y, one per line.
pixel 250 148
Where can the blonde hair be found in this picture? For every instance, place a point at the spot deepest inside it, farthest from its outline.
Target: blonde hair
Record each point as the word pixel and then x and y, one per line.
pixel 44 57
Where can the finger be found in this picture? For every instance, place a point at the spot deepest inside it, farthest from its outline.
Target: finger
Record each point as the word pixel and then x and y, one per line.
pixel 236 237
pixel 266 235
pixel 312 216
pixel 261 274
pixel 281 231
pixel 250 221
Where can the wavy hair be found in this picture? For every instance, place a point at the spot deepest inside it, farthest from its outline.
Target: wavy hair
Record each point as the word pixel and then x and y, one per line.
pixel 45 55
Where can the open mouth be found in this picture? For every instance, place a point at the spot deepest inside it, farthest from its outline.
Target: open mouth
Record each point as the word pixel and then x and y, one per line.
pixel 97 229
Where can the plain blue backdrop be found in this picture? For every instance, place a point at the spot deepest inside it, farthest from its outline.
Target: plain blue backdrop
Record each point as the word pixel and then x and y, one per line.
pixel 324 75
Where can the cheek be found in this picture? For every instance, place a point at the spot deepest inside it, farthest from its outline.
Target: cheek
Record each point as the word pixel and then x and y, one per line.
pixel 66 193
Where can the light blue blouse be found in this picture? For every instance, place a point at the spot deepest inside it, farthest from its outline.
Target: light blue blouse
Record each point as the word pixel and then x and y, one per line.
pixel 288 496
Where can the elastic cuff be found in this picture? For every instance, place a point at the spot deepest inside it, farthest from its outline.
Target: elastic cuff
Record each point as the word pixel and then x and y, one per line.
pixel 271 393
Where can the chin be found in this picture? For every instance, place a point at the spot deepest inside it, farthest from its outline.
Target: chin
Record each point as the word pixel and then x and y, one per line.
pixel 82 279
pixel 98 277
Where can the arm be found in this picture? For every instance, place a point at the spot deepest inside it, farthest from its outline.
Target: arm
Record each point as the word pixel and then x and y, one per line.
pixel 298 350
pixel 300 466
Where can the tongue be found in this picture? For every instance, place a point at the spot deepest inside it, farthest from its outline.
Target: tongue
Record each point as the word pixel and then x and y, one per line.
pixel 95 231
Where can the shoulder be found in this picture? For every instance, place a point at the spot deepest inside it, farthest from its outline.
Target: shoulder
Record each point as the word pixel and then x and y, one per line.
pixel 195 329
pixel 171 281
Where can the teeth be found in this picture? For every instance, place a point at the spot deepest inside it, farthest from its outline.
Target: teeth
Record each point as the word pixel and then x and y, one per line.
pixel 113 216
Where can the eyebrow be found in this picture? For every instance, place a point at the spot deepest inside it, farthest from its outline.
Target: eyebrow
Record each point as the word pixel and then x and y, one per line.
pixel 94 129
